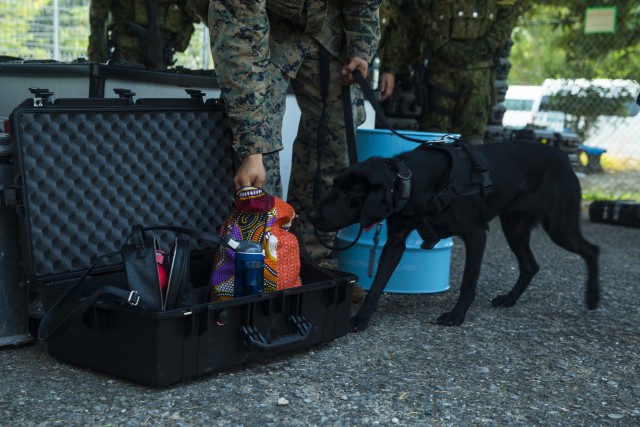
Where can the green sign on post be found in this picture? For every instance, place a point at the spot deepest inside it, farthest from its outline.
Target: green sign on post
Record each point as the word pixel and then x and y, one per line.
pixel 600 20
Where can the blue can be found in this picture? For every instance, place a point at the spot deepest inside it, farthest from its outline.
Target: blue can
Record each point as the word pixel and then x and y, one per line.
pixel 249 269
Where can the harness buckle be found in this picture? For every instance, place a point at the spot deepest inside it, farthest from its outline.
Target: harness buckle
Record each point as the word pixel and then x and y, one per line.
pixel 442 200
pixel 487 183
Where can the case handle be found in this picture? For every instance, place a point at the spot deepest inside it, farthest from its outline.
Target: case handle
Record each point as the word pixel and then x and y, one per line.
pixel 252 338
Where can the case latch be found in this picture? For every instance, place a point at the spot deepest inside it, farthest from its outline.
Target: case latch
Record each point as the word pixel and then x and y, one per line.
pixel 125 94
pixel 195 93
pixel 8 196
pixel 41 96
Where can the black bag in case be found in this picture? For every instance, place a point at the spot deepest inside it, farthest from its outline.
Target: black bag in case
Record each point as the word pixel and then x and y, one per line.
pixel 87 171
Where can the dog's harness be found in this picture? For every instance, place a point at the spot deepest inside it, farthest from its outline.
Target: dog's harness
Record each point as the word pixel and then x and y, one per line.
pixel 401 186
pixel 470 174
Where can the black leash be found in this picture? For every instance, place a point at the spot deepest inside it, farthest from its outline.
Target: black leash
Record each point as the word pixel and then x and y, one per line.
pixel 351 139
pixel 373 100
pixel 322 122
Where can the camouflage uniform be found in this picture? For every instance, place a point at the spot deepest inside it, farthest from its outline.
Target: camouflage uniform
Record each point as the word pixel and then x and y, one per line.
pixel 261 47
pixel 123 37
pixel 460 39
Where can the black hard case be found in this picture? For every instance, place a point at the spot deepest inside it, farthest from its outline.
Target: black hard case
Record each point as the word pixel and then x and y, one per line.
pixel 619 212
pixel 88 171
pixel 14 316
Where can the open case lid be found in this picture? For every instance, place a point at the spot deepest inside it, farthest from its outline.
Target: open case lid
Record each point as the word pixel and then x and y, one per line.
pixel 87 174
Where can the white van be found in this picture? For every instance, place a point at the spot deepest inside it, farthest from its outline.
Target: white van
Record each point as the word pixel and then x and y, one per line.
pixel 527 105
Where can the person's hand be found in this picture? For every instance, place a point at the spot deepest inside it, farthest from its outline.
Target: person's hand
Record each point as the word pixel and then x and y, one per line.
pixel 355 63
pixel 251 172
pixel 387 83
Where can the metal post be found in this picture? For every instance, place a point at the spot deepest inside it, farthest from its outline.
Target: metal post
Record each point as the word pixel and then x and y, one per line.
pixel 206 50
pixel 56 31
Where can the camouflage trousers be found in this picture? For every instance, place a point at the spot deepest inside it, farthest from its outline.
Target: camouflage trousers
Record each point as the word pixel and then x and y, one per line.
pixel 459 101
pixel 317 154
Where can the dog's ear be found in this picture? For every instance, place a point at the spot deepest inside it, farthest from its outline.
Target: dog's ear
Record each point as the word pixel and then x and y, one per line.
pixel 377 206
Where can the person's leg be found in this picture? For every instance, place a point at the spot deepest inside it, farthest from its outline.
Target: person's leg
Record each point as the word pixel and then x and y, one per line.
pixel 332 140
pixel 333 150
pixel 443 93
pixel 474 105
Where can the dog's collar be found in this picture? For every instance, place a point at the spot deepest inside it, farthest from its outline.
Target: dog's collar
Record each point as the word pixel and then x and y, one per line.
pixel 401 186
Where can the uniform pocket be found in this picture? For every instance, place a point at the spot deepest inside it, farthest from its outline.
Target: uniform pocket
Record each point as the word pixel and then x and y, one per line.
pixel 286 8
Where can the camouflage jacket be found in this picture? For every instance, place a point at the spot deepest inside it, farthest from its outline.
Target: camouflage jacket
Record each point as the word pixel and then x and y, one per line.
pixel 247 38
pixel 117 16
pixel 462 33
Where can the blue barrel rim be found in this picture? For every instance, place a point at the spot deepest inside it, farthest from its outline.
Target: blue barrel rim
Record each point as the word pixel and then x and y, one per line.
pixel 436 136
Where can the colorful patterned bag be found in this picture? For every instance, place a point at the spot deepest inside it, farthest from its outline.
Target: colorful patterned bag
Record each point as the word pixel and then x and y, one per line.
pixel 266 219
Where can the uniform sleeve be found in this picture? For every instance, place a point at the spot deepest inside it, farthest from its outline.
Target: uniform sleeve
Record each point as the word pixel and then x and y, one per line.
pixel 239 34
pixel 362 27
pixel 98 14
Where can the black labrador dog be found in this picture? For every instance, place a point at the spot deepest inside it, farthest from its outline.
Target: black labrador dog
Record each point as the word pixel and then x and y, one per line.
pixel 455 192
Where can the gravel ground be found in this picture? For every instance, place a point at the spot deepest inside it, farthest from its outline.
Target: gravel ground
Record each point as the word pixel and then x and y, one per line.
pixel 546 362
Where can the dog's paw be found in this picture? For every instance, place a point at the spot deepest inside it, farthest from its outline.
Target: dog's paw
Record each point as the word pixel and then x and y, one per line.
pixel 450 319
pixel 503 301
pixel 358 324
pixel 593 299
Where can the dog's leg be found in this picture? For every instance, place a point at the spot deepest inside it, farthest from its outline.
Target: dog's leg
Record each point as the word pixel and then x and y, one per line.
pixel 389 259
pixel 591 253
pixel 570 238
pixel 474 250
pixel 517 231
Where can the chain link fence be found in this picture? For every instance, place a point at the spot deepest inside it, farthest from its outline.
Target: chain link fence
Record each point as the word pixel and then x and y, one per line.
pixel 603 115
pixel 591 87
pixel 603 112
pixel 59 30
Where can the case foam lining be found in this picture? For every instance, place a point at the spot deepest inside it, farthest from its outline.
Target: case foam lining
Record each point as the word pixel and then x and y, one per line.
pixel 89 176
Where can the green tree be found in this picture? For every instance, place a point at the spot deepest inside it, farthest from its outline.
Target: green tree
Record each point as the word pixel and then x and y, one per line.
pixel 549 41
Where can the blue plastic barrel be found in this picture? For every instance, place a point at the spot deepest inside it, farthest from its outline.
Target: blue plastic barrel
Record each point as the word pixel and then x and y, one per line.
pixel 420 271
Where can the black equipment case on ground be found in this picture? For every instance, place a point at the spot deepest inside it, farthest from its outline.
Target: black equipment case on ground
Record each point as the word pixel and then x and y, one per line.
pixel 88 170
pixel 619 212
pixel 14 315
